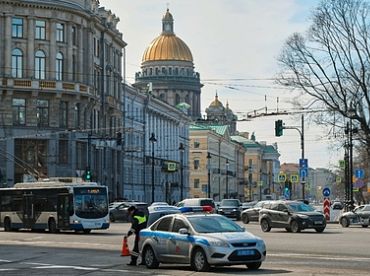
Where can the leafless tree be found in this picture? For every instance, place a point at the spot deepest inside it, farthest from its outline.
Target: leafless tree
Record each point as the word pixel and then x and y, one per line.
pixel 331 62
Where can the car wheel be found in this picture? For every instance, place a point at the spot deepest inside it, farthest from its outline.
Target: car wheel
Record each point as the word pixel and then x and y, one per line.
pixel 294 226
pixel 365 225
pixel 111 217
pixel 149 257
pixel 245 219
pixel 288 229
pixel 199 260
pixel 254 266
pixel 7 225
pixel 52 226
pixel 320 229
pixel 265 225
pixel 344 222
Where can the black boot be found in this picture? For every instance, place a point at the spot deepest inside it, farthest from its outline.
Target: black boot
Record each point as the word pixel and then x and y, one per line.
pixel 132 263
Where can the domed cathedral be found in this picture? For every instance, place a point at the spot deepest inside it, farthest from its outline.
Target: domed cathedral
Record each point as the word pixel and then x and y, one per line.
pixel 219 115
pixel 168 71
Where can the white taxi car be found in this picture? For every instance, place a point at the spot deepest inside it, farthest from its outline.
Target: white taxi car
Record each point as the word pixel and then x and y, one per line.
pixel 201 240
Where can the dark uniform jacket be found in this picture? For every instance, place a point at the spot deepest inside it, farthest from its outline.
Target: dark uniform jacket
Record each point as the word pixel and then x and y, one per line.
pixel 139 222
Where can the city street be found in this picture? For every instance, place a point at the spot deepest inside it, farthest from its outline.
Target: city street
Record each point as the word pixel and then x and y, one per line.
pixel 337 251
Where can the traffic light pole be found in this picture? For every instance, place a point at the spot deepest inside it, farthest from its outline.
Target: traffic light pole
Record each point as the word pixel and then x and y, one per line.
pixel 301 133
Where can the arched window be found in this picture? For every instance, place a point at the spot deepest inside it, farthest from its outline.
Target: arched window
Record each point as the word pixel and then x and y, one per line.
pixel 177 99
pixel 17 63
pixel 40 65
pixel 59 66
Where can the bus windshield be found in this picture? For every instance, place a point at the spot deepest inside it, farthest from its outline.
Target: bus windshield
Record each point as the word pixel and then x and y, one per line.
pixel 90 202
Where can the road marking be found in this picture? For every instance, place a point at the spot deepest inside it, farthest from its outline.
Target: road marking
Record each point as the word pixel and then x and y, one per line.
pixel 321 257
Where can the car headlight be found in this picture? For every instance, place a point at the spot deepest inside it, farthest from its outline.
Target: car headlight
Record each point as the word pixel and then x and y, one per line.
pixel 260 243
pixel 76 221
pixel 218 243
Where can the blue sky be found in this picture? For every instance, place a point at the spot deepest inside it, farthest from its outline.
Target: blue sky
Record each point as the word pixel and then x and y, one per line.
pixel 235 45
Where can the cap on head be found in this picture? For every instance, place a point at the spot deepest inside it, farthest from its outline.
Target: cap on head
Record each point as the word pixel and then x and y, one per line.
pixel 131 208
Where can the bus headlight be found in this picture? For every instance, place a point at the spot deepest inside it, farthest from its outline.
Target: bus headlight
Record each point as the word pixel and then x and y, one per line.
pixel 76 221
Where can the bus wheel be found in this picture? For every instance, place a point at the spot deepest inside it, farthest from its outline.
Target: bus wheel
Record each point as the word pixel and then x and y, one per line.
pixel 7 225
pixel 52 226
pixel 87 231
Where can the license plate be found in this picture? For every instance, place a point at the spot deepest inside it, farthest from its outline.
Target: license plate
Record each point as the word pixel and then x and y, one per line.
pixel 227 212
pixel 317 222
pixel 245 252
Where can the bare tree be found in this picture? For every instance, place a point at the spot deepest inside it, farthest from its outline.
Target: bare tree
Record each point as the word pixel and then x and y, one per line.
pixel 331 62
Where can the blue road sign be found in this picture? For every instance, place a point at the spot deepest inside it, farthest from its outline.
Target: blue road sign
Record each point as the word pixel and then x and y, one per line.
pixel 303 172
pixel 326 192
pixel 359 173
pixel 303 163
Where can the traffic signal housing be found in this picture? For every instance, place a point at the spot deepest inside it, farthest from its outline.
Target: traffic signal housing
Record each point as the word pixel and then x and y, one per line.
pixel 87 175
pixel 279 128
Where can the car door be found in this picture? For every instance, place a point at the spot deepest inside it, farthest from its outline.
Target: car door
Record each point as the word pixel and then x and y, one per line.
pixel 161 236
pixel 179 244
pixel 365 214
pixel 282 215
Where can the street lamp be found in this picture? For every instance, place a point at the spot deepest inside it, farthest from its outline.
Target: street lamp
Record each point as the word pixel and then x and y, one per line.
pixel 209 174
pixel 227 178
pixel 181 149
pixel 152 140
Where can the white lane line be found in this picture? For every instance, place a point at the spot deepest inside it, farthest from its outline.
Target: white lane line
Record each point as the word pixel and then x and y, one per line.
pixel 322 257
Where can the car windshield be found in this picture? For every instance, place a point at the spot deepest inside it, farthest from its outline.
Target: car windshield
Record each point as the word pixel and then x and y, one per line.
pixel 214 224
pixel 300 207
pixel 230 203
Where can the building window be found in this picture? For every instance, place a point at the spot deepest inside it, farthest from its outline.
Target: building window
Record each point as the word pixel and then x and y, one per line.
pixel 196 144
pixel 196 164
pixel 77 116
pixel 63 151
pixel 60 32
pixel 17 27
pixel 63 114
pixel 59 66
pixel 17 63
pixel 74 65
pixel 196 183
pixel 40 65
pixel 19 111
pixel 40 32
pixel 42 113
pixel 74 36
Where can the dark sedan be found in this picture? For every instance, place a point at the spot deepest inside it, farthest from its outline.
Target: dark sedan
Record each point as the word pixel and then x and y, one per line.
pixel 118 210
pixel 359 216
pixel 230 208
pixel 252 214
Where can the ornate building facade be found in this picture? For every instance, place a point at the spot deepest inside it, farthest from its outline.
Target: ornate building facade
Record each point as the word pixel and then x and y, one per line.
pixel 168 68
pixel 61 102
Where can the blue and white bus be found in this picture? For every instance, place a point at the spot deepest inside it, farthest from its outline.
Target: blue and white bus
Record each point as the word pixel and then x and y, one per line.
pixel 58 204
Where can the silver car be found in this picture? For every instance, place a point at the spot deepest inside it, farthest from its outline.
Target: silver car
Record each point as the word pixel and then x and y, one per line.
pixel 200 240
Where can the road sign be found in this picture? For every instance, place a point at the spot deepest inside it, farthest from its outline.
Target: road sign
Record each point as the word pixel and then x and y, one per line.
pixel 303 163
pixel 303 168
pixel 282 177
pixel 326 192
pixel 342 164
pixel 359 173
pixel 326 208
pixel 303 172
pixel 294 178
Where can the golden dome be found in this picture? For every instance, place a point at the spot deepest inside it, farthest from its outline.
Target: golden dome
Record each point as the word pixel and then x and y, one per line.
pixel 216 102
pixel 167 47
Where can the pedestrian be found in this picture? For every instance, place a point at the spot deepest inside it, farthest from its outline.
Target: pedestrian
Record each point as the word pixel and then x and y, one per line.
pixel 139 222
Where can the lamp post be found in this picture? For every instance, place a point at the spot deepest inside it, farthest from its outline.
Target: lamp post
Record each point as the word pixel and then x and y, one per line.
pixel 227 178
pixel 209 174
pixel 152 140
pixel 181 149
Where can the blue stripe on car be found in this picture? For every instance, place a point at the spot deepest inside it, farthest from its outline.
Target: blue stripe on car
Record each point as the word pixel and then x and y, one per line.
pixel 177 237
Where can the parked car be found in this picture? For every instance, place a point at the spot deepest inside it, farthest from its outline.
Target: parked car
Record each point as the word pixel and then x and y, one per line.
pixel 248 205
pixel 337 205
pixel 230 208
pixel 158 211
pixel 159 204
pixel 360 216
pixel 201 240
pixel 252 214
pixel 118 211
pixel 294 216
pixel 197 202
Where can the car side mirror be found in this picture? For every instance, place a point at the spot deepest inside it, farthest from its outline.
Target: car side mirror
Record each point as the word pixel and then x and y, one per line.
pixel 183 231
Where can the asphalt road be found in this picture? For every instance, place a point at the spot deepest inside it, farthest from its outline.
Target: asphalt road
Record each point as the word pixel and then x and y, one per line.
pixel 337 251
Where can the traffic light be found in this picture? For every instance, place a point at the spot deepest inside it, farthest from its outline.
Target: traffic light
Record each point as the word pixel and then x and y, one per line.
pixel 279 128
pixel 119 138
pixel 88 174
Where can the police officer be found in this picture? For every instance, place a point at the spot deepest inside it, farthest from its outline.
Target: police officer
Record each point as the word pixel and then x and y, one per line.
pixel 139 222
